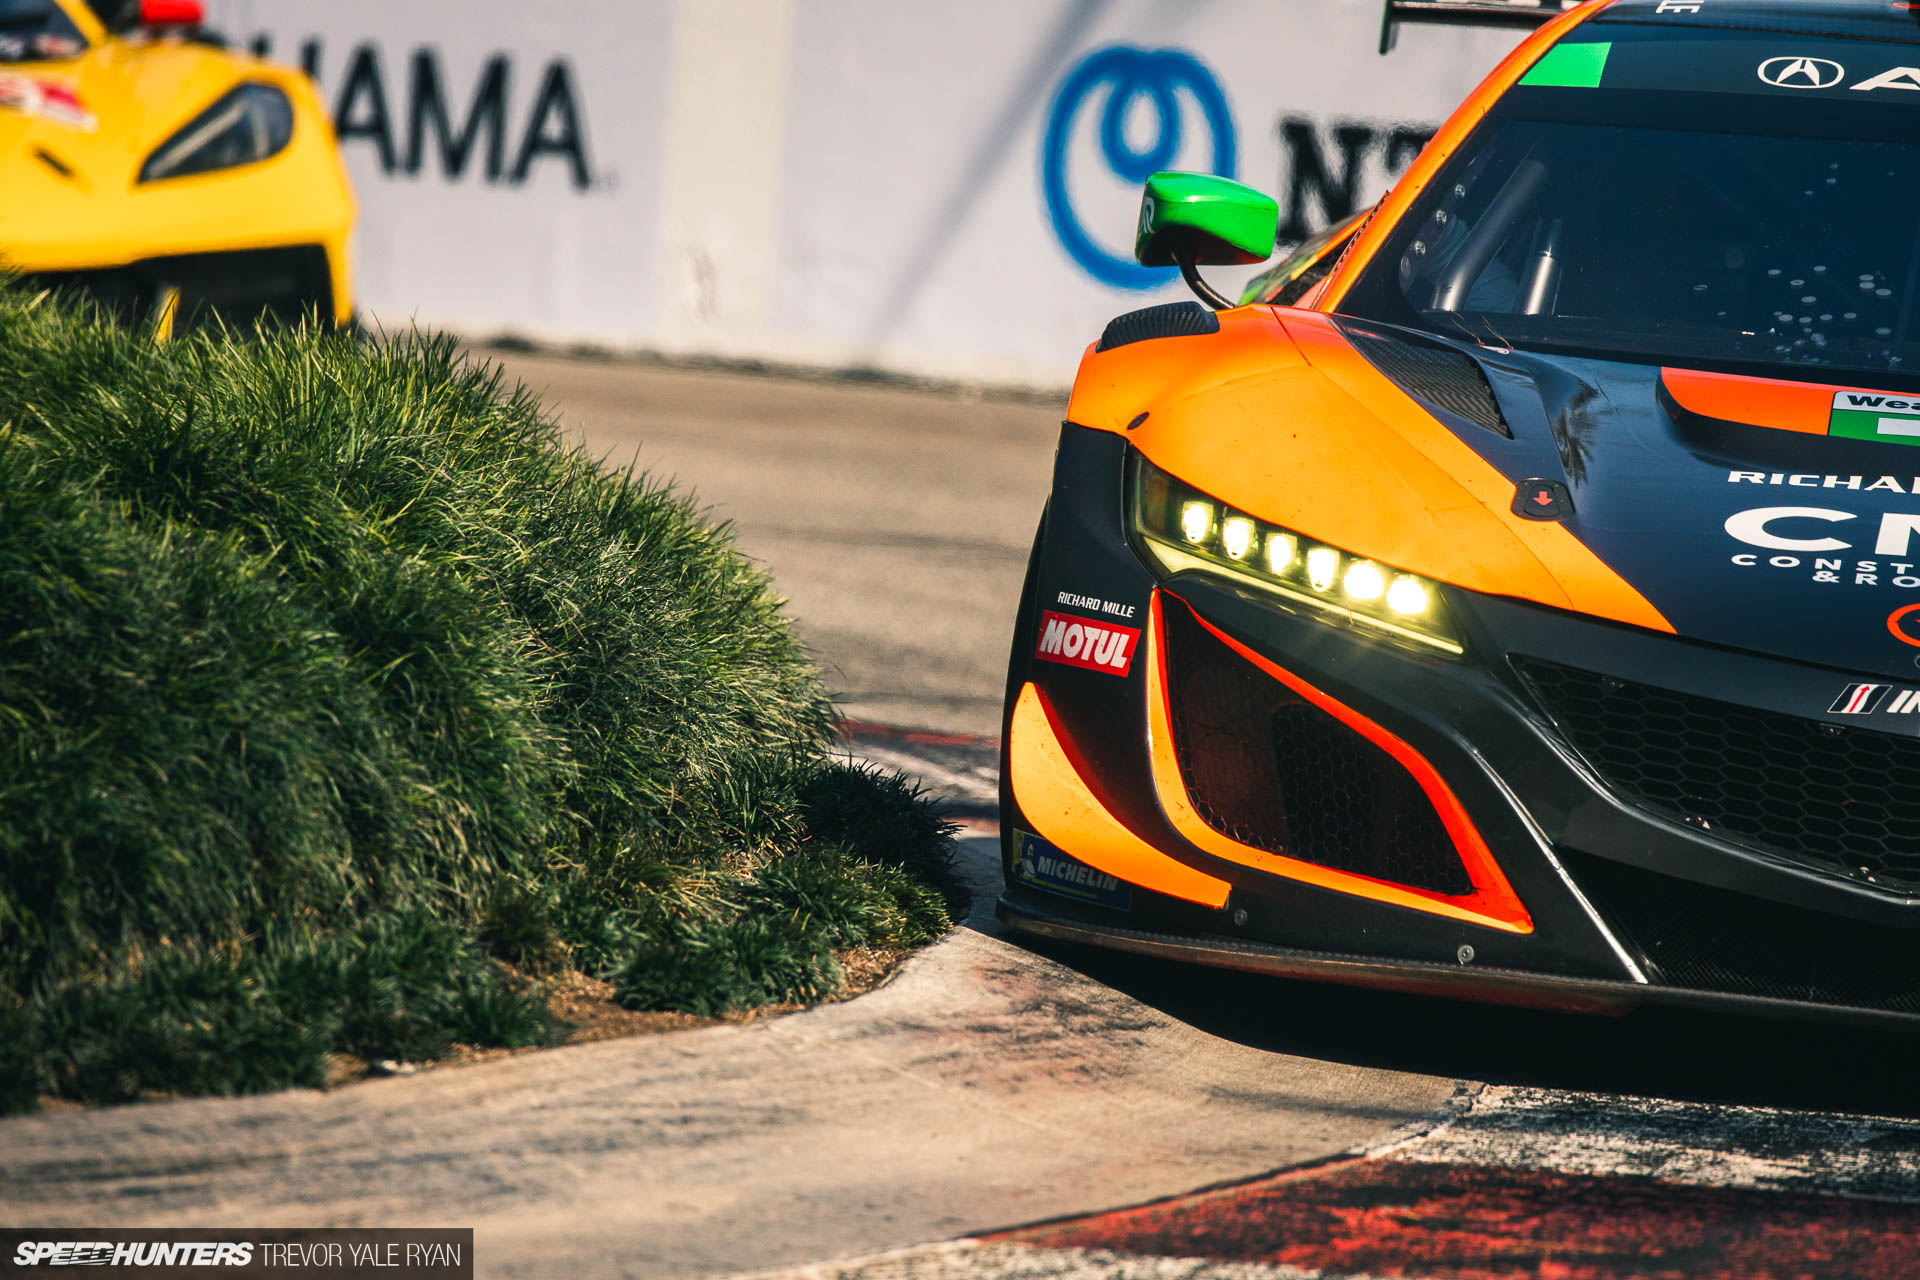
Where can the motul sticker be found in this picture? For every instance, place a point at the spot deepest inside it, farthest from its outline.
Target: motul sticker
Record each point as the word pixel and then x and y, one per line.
pixel 1082 642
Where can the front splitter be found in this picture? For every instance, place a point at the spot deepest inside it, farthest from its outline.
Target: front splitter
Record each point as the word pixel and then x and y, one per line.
pixel 1510 987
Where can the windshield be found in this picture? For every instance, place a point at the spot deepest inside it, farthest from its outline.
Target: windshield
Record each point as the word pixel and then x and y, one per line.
pixel 37 31
pixel 1740 223
pixel 1294 276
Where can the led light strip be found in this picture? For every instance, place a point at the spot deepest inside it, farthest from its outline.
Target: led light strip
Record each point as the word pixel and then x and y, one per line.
pixel 1177 528
pixel 1175 560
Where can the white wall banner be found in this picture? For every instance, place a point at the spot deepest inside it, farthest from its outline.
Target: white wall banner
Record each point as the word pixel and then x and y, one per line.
pixel 947 190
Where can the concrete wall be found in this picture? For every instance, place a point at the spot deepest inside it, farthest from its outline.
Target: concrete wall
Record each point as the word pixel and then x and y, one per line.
pixel 936 189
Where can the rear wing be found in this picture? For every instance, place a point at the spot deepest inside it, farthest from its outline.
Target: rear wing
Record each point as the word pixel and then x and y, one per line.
pixel 1468 13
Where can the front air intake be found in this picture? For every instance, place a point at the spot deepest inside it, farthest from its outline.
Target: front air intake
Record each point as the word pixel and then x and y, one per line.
pixel 1267 768
pixel 1706 939
pixel 1843 800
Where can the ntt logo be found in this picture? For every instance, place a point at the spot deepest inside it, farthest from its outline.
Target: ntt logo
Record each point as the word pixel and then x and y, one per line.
pixel 150 1253
pixel 1120 89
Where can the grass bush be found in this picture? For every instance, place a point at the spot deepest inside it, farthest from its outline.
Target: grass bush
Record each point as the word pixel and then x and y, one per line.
pixel 329 670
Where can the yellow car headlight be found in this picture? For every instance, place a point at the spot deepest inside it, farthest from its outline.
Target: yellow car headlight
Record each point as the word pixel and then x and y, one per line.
pixel 252 123
pixel 1182 530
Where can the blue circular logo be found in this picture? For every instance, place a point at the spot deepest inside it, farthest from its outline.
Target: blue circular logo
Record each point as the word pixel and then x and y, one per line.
pixel 1129 76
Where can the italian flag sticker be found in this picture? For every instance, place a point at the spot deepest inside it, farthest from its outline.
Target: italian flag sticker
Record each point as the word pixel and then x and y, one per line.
pixel 1861 415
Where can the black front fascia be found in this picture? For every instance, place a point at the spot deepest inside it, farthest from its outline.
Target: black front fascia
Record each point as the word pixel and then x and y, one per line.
pixel 1472 719
pixel 1086 556
pixel 1576 808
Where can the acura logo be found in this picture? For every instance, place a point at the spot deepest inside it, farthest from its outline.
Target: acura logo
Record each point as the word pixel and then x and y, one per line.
pixel 1802 73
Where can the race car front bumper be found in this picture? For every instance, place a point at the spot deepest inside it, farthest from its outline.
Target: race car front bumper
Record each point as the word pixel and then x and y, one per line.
pixel 185 290
pixel 1483 985
pixel 1328 805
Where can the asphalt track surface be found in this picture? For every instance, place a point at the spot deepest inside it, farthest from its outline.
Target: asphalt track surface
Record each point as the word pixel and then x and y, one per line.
pixel 995 1109
pixel 984 1085
pixel 896 522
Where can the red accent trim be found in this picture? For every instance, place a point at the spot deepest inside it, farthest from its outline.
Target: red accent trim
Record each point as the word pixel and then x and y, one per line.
pixel 1893 624
pixel 1761 402
pixel 1492 902
pixel 872 729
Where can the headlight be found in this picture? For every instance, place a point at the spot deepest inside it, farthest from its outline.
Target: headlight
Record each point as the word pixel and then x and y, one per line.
pixel 1181 529
pixel 251 124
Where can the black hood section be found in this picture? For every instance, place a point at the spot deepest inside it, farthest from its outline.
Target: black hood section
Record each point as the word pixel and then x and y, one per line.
pixel 1798 545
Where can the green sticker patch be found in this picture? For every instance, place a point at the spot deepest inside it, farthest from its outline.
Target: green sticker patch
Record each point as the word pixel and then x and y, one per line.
pixel 1859 415
pixel 1570 66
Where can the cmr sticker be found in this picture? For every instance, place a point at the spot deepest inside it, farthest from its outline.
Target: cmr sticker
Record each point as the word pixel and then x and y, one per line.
pixel 1082 642
pixel 1860 416
pixel 1044 867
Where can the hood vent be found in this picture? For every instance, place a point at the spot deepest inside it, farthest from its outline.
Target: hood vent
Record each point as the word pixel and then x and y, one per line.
pixel 53 162
pixel 1174 320
pixel 1436 375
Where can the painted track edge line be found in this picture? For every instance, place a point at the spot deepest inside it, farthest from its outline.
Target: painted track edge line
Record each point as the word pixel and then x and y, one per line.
pixel 977 1259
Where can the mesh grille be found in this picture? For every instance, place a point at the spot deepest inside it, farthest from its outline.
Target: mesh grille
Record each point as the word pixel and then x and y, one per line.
pixel 1839 799
pixel 1438 375
pixel 1273 771
pixel 1710 940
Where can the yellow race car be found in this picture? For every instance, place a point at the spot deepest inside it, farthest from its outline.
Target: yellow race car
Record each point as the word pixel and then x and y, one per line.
pixel 146 165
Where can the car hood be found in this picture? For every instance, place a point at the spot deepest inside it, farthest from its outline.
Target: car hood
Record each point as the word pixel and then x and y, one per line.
pixel 1714 507
pixel 1727 504
pixel 99 116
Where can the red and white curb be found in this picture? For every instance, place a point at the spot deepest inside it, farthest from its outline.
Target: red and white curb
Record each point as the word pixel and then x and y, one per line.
pixel 961 770
pixel 979 1258
pixel 1524 1182
pixel 1516 1182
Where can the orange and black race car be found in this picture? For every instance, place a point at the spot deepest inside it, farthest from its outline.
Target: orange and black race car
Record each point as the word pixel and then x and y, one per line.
pixel 1534 615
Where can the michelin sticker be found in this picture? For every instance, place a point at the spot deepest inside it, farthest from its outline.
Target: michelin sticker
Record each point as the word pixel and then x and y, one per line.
pixel 1043 867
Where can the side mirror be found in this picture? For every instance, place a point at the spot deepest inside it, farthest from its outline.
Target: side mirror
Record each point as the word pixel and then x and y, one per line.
pixel 172 13
pixel 1190 220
